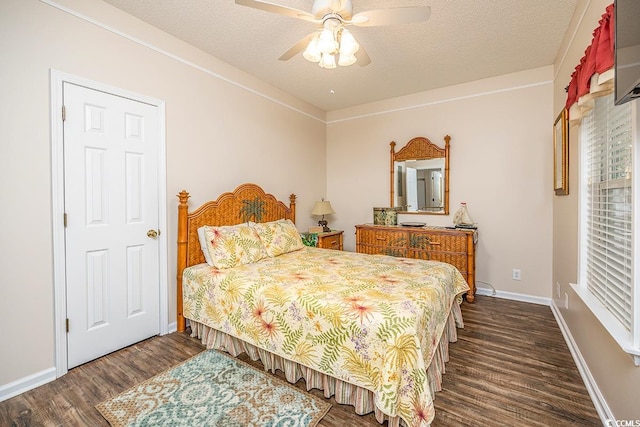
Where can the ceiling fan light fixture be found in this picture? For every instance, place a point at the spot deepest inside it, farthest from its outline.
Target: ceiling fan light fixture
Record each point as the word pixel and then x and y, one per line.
pixel 334 39
pixel 327 42
pixel 346 59
pixel 312 53
pixel 348 44
pixel 328 61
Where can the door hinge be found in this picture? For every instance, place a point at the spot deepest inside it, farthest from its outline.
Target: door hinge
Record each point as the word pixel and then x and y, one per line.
pixel 65 220
pixel 64 113
pixel 67 324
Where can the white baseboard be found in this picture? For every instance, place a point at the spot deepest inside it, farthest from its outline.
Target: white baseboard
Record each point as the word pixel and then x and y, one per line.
pixel 17 387
pixel 604 412
pixel 30 382
pixel 514 296
pixel 172 327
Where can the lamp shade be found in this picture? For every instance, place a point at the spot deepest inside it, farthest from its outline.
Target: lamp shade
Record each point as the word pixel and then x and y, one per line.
pixel 322 207
pixel 345 60
pixel 312 53
pixel 326 42
pixel 348 45
pixel 328 60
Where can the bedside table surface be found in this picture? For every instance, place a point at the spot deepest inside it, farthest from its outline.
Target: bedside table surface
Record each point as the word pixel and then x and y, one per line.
pixel 330 233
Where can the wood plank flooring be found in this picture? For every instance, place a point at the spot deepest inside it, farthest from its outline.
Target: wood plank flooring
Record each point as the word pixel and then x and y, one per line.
pixel 510 367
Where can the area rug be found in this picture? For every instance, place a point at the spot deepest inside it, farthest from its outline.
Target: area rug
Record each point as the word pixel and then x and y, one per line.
pixel 213 389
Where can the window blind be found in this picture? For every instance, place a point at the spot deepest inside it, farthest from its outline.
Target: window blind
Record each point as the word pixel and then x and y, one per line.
pixel 607 194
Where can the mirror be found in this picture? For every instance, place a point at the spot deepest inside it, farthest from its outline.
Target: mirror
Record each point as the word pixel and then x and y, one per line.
pixel 420 177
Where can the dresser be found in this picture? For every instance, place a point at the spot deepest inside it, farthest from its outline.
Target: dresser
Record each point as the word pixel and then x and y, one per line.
pixel 453 246
pixel 331 240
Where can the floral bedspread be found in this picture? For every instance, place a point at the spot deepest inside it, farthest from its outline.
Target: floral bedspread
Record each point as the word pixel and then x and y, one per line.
pixel 373 321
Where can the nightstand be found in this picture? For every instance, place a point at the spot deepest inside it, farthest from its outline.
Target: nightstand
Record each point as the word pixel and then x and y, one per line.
pixel 331 240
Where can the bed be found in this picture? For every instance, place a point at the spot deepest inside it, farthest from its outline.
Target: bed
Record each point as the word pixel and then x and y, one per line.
pixel 371 330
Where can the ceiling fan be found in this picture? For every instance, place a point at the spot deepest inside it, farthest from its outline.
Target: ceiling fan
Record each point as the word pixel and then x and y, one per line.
pixel 333 38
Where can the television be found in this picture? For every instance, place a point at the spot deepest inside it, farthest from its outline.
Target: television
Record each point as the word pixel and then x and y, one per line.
pixel 627 50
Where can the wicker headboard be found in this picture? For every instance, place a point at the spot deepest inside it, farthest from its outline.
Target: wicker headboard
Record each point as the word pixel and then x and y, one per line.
pixel 248 202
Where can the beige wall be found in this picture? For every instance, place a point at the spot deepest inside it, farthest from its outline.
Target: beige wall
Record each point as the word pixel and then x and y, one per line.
pixel 617 378
pixel 500 165
pixel 219 134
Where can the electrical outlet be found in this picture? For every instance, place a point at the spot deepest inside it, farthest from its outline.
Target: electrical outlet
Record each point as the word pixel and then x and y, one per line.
pixel 566 301
pixel 516 275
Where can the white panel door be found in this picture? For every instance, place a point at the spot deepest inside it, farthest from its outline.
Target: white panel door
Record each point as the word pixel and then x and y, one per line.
pixel 111 202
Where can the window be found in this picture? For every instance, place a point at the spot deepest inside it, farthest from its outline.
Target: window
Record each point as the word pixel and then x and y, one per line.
pixel 608 147
pixel 607 166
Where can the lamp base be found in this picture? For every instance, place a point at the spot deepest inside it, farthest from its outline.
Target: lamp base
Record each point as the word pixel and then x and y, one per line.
pixel 323 224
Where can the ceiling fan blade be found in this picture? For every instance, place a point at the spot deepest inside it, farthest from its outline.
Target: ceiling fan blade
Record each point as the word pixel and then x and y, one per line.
pixel 394 15
pixel 296 48
pixel 362 57
pixel 276 8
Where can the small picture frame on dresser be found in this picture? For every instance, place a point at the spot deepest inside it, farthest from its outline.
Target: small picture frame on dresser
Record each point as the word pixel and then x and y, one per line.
pixel 315 229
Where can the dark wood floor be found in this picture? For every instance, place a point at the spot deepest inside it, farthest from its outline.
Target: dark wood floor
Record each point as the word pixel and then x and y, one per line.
pixel 510 367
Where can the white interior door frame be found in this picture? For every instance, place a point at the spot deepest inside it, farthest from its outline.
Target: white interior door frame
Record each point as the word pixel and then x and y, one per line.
pixel 57 79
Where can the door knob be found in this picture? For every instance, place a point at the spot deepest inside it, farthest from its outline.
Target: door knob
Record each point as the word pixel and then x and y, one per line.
pixel 153 233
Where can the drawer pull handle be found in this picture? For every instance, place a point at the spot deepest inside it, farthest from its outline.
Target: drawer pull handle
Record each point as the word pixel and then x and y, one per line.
pixel 434 243
pixel 381 238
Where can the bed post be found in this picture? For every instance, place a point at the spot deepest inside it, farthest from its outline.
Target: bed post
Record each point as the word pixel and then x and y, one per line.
pixel 292 206
pixel 182 255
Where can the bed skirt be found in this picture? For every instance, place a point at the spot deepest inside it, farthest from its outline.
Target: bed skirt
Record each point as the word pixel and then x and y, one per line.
pixel 345 393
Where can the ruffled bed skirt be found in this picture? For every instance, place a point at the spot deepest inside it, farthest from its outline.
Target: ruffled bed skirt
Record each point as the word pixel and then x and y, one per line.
pixel 345 393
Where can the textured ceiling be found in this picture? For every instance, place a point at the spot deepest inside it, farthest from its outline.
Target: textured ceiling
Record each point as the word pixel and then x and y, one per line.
pixel 464 40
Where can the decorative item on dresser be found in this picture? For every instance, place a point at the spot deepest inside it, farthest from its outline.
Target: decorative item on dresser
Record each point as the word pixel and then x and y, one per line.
pixel 385 216
pixel 462 218
pixel 453 246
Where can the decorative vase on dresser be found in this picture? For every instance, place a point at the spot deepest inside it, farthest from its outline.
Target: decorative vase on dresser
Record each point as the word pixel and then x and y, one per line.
pixel 454 246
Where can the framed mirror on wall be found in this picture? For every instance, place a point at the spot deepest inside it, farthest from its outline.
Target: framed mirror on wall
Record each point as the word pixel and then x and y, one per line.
pixel 420 177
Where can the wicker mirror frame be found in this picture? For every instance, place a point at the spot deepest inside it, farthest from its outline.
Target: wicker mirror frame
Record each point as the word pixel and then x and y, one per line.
pixel 421 148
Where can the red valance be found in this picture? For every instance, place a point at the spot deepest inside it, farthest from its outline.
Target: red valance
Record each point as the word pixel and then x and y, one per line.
pixel 598 58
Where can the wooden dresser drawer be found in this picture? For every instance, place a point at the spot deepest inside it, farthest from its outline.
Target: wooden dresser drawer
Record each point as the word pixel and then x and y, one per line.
pixel 438 242
pixel 453 246
pixel 383 250
pixel 384 238
pixel 457 260
pixel 383 242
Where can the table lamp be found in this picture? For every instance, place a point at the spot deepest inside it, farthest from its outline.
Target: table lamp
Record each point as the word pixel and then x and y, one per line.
pixel 323 208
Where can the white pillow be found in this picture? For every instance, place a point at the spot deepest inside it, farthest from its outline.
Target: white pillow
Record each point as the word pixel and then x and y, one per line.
pixel 203 245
